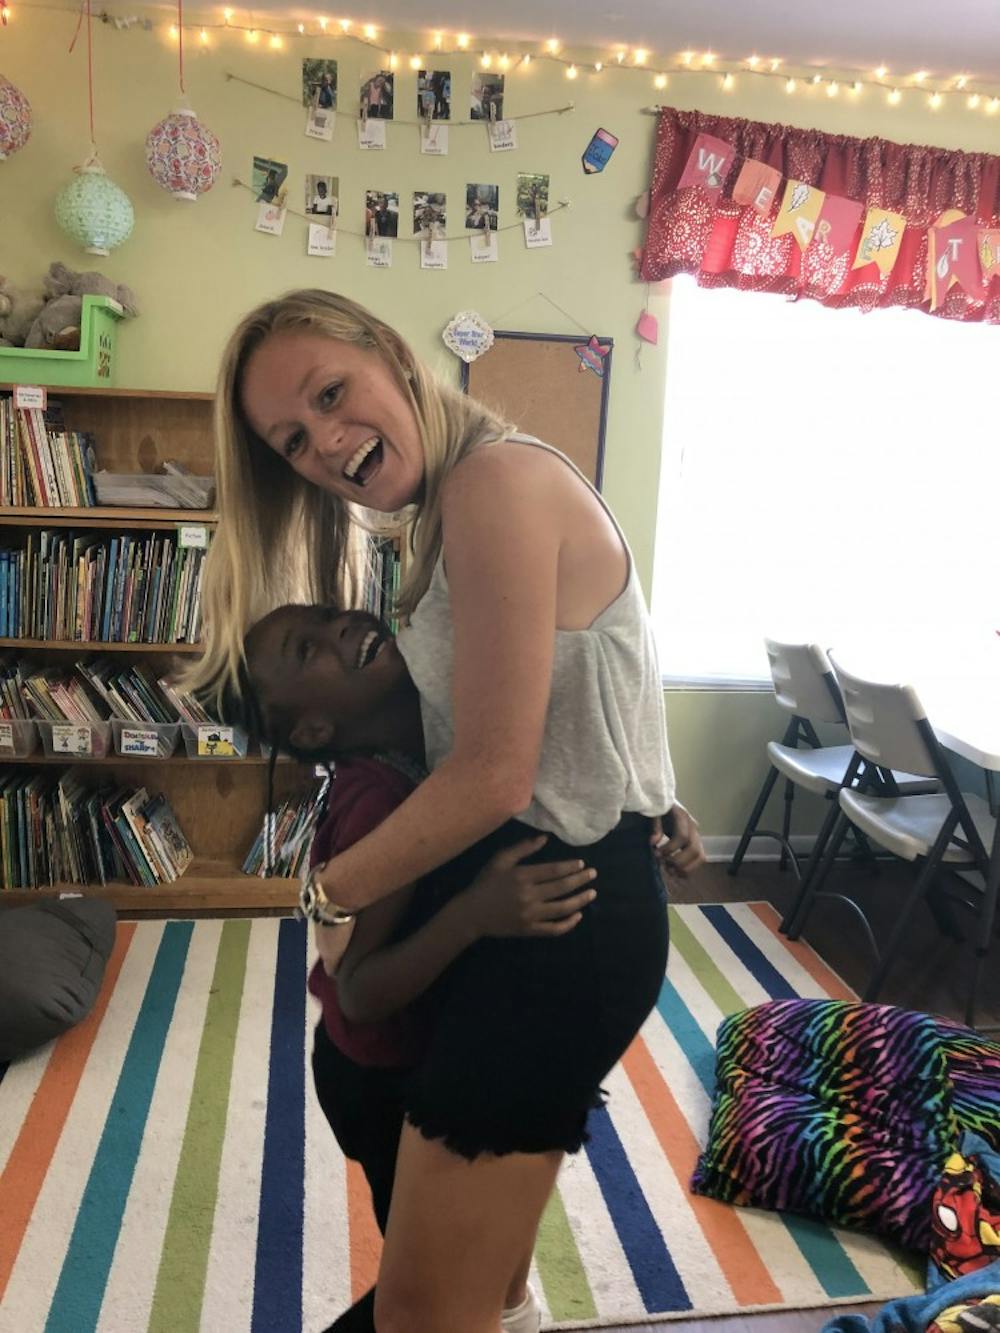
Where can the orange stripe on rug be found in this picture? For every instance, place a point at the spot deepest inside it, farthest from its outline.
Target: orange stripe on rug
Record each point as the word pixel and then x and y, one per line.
pixel 364 1236
pixel 735 1252
pixel 29 1159
pixel 804 955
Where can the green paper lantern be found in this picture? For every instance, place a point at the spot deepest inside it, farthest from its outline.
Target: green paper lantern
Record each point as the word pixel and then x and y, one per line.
pixel 94 211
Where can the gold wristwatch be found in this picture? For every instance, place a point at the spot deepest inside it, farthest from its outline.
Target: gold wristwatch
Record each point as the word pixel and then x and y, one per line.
pixel 315 906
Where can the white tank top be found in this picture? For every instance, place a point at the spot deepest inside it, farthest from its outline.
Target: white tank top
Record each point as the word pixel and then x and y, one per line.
pixel 604 751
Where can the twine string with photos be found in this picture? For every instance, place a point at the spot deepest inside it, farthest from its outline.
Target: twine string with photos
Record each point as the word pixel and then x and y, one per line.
pixel 366 236
pixel 398 120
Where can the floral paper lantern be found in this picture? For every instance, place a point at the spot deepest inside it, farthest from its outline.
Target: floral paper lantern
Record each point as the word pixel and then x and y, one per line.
pixel 94 211
pixel 15 118
pixel 182 155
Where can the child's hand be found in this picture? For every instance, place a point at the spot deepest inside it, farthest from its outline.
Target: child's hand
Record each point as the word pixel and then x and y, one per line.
pixel 508 899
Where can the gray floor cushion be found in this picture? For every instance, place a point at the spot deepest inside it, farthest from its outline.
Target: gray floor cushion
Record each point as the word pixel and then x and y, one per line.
pixel 52 958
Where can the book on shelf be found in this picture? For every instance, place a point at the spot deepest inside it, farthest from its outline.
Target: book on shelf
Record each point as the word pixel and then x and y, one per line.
pixel 292 827
pixel 89 587
pixel 176 487
pixel 68 831
pixel 382 583
pixel 42 464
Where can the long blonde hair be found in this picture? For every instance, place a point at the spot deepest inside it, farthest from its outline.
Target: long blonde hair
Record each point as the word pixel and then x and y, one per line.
pixel 282 539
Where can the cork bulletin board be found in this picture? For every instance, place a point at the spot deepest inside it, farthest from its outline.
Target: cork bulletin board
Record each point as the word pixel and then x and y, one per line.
pixel 539 382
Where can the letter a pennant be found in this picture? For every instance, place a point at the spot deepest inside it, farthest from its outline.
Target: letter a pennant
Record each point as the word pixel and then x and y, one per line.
pixel 708 165
pixel 800 208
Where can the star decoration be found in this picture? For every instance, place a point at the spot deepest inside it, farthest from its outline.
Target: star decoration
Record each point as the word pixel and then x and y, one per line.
pixel 592 356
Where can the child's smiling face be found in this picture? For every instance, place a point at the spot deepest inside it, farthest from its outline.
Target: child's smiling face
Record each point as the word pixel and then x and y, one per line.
pixel 330 679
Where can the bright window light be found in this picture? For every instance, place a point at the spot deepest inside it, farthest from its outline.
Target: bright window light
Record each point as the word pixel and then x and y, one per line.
pixel 827 476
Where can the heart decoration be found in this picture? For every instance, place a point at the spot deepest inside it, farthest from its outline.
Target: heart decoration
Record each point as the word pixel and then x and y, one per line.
pixel 468 335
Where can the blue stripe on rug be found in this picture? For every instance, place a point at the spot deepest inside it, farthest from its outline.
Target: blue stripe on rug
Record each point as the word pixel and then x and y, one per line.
pixel 76 1304
pixel 657 1279
pixel 819 1246
pixel 277 1294
pixel 760 968
pixel 695 1046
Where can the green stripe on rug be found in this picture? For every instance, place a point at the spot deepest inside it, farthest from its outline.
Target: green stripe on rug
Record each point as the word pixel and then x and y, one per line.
pixel 560 1266
pixel 698 959
pixel 180 1282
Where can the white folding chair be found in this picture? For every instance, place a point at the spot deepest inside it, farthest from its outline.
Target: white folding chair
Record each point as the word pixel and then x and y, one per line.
pixel 805 687
pixel 947 829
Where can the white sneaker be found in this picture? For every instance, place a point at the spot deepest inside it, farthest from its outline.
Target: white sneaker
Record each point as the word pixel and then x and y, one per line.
pixel 523 1318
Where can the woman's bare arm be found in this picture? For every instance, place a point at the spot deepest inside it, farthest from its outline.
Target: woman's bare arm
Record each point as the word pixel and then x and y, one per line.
pixel 502 538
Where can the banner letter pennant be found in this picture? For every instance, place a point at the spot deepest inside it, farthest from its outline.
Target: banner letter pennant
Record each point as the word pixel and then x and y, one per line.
pixel 838 223
pixel 708 164
pixel 881 238
pixel 756 185
pixel 952 257
pixel 800 208
pixel 989 251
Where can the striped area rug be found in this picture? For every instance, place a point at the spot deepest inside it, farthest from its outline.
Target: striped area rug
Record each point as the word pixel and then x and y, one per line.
pixel 156 1176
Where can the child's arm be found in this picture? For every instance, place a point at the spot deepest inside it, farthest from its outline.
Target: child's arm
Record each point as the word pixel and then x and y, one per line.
pixel 505 899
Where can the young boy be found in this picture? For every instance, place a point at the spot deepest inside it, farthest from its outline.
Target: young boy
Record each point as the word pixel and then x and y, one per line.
pixel 326 685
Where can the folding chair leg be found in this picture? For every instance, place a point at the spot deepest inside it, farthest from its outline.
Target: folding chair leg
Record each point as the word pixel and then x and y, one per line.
pixel 786 824
pixel 943 914
pixel 753 821
pixel 812 865
pixel 987 922
pixel 920 888
pixel 811 885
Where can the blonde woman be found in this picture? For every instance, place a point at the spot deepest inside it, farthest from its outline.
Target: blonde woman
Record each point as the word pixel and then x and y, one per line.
pixel 529 643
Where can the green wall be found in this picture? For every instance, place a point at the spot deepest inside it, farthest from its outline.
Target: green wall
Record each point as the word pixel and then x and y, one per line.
pixel 197 267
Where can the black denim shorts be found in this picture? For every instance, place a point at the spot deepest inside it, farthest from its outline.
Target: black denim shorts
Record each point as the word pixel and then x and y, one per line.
pixel 526 1029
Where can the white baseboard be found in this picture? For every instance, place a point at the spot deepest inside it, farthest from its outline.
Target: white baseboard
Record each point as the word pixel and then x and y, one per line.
pixel 760 849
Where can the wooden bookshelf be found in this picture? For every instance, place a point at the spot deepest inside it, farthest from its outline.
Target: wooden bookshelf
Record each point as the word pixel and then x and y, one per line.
pixel 219 803
pixel 99 646
pixel 104 516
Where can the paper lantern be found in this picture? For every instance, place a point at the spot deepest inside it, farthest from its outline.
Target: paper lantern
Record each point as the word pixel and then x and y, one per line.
pixel 94 211
pixel 15 118
pixel 182 155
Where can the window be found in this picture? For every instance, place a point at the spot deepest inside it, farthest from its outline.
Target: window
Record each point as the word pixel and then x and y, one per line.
pixel 828 476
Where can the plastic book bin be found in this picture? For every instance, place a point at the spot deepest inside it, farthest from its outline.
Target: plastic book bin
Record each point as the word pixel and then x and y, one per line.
pixel 145 740
pixel 76 740
pixel 95 365
pixel 18 738
pixel 212 740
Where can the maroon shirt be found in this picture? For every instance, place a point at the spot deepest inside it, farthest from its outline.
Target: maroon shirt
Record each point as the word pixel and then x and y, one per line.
pixel 364 792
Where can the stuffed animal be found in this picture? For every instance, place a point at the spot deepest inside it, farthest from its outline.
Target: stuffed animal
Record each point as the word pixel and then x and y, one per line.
pixel 18 312
pixel 57 325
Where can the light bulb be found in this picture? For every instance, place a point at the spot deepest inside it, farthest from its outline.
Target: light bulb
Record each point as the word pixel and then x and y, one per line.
pixel 856 87
pixel 526 59
pixel 881 72
pixel 993 106
pixel 817 78
pixel 640 55
pixel 322 24
pixel 708 58
pixel 753 61
pixel 571 72
pixel 775 64
pixel 462 40
pixel 227 14
pixel 619 56
pixel 687 57
pixel 934 101
pixel 276 42
pixel 961 81
pixel 371 32
pixel 598 67
pixel 972 102
pixel 345 25
pixel 790 85
pixel 728 82
pixel 438 41
pixel 302 28
pixel 894 96
pixel 393 60
pixel 204 37
pixel 416 62
pixel 486 60
pixel 552 45
pixel 253 36
pixel 660 81
pixel 504 61
pixel 920 75
pixel 173 31
pixel 832 88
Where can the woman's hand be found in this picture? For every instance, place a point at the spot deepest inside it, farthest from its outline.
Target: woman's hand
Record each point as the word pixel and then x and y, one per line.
pixel 677 843
pixel 508 899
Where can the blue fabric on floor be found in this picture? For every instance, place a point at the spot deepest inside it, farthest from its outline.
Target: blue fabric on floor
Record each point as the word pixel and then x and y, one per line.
pixel 912 1314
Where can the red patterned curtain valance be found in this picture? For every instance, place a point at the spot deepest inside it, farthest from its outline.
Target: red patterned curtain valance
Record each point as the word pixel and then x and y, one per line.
pixel 692 230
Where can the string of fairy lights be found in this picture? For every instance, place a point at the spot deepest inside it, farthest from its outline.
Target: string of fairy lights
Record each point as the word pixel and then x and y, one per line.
pixel 924 86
